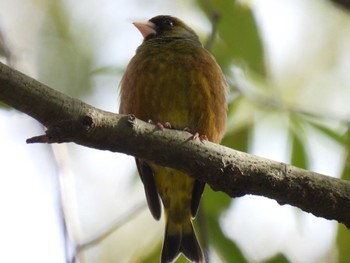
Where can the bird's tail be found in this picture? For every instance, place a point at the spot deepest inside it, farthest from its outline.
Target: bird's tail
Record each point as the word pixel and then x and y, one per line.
pixel 181 238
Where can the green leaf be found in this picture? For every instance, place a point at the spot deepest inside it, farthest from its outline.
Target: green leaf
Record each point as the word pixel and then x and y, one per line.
pixel 299 155
pixel 4 49
pixel 329 132
pixel 181 259
pixel 2 52
pixel 238 34
pixel 237 140
pixel 278 259
pixel 343 243
pixel 240 121
pixel 346 171
pixel 214 203
pixel 4 106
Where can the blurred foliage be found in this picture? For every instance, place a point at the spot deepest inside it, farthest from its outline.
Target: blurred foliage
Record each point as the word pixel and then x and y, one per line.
pixel 2 52
pixel 239 123
pixel 343 241
pixel 4 49
pixel 277 259
pixel 4 106
pixel 152 256
pixel 213 205
pixel 5 54
pixel 66 62
pixel 346 171
pixel 298 151
pixel 238 40
pixel 339 137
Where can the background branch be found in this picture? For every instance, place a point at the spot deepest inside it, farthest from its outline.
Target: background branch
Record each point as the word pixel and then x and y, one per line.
pixel 233 172
pixel 343 3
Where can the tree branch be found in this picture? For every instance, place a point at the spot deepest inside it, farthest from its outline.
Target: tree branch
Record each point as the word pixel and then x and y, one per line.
pixel 233 172
pixel 343 3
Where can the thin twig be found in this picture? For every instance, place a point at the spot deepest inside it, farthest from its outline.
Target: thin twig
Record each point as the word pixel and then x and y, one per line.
pixel 214 18
pixel 137 209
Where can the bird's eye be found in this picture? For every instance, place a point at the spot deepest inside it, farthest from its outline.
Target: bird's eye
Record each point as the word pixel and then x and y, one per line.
pixel 168 23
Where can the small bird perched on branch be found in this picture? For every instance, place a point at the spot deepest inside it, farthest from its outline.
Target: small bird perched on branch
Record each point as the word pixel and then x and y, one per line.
pixel 173 79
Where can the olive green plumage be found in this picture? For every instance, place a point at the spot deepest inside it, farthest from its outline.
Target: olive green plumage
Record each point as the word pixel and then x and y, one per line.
pixel 172 78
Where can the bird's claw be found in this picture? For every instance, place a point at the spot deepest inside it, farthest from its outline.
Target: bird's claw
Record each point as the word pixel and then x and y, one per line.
pixel 196 135
pixel 201 137
pixel 160 125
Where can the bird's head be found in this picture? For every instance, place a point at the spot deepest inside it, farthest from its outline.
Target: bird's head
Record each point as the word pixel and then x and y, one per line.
pixel 165 26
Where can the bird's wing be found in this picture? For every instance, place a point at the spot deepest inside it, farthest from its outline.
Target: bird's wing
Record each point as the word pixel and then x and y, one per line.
pixel 149 184
pixel 197 191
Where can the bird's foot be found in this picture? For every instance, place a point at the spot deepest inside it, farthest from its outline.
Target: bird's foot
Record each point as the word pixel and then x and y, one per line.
pixel 196 135
pixel 160 125
pixel 201 137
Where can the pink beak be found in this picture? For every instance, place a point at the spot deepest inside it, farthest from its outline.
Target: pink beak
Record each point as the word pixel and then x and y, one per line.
pixel 146 28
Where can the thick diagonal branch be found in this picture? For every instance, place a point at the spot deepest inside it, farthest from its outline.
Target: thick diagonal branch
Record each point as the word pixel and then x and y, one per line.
pixel 224 169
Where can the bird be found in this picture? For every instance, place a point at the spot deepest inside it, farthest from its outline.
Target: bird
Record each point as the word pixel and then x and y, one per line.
pixel 173 79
